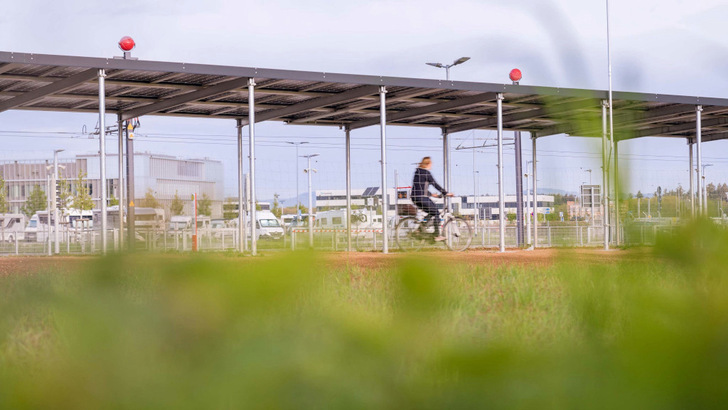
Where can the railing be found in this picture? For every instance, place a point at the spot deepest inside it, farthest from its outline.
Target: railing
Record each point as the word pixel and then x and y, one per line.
pixel 77 241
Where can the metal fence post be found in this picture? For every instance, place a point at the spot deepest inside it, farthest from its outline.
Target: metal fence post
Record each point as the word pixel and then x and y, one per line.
pixel 549 235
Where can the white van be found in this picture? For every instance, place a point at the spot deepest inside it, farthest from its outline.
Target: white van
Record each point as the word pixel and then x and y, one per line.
pixel 12 227
pixel 180 223
pixel 38 227
pixel 361 219
pixel 268 226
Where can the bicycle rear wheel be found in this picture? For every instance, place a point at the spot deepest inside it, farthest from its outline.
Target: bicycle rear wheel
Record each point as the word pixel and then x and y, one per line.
pixel 457 233
pixel 408 234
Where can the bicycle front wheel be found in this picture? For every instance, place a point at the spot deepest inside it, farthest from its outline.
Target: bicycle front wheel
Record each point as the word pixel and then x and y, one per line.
pixel 409 235
pixel 458 234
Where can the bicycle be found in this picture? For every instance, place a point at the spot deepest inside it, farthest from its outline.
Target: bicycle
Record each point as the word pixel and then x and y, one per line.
pixel 413 232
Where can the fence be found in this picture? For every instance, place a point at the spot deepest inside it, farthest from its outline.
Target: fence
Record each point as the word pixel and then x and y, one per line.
pixel 88 241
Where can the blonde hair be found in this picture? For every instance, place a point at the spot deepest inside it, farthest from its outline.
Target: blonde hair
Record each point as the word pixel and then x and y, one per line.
pixel 425 162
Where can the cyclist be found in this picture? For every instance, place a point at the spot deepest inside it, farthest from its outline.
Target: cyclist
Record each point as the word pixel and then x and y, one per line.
pixel 420 193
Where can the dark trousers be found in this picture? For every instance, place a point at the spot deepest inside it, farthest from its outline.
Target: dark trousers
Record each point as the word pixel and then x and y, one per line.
pixel 426 204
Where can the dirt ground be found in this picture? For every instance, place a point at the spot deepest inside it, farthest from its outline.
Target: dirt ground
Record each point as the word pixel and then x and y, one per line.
pixel 539 257
pixel 367 260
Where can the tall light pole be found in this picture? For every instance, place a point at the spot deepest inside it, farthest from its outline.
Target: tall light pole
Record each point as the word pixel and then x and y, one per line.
pixel 528 207
pixel 310 171
pixel 591 194
pixel 475 199
pixel 297 144
pixel 705 189
pixel 55 206
pixel 447 66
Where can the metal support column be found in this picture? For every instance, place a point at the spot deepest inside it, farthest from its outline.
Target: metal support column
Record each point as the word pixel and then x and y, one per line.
pixel 251 149
pixel 519 190
pixel 241 208
pixel 120 182
pixel 102 154
pixel 617 216
pixel 446 167
pixel 130 209
pixel 501 204
pixel 385 202
pixel 690 172
pixel 348 189
pixel 605 179
pixel 534 203
pixel 699 141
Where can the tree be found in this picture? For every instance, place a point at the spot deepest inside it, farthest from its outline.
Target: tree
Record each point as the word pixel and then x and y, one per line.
pixel 3 197
pixel 64 193
pixel 639 194
pixel 204 205
pixel 37 201
pixel 149 200
pixel 82 200
pixel 177 206
pixel 276 206
pixel 113 201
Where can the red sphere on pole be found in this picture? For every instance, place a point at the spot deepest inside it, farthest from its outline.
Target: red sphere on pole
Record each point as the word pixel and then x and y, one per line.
pixel 515 75
pixel 126 43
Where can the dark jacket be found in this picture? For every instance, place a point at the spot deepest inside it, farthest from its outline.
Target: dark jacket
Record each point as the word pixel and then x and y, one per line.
pixel 421 184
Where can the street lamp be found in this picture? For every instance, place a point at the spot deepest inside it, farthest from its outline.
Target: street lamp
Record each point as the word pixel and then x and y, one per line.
pixel 447 66
pixel 297 144
pixel 310 171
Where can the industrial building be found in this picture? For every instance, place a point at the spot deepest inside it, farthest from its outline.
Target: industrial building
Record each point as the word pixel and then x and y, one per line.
pixel 462 205
pixel 163 175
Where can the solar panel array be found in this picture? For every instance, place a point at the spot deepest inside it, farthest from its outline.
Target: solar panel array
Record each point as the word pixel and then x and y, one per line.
pixel 136 87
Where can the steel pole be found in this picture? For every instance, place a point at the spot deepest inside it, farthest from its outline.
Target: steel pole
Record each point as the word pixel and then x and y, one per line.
pixel 385 202
pixel 692 180
pixel 528 211
pixel 348 189
pixel 241 208
pixel 55 205
pixel 102 154
pixel 48 214
pixel 519 188
pixel 617 216
pixel 699 140
pixel 251 149
pixel 534 205
pixel 605 179
pixel 298 203
pixel 120 182
pixel 501 204
pixel 130 208
pixel 446 167
pixel 310 205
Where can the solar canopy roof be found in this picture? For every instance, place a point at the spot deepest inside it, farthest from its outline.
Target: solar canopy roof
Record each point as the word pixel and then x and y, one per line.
pixel 137 87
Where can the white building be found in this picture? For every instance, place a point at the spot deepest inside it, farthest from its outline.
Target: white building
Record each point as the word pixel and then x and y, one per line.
pixel 463 205
pixel 163 175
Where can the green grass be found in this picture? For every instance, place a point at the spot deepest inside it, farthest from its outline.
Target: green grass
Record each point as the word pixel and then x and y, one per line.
pixel 289 331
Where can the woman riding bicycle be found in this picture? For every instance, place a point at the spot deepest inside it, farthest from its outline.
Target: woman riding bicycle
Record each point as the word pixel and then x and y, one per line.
pixel 420 193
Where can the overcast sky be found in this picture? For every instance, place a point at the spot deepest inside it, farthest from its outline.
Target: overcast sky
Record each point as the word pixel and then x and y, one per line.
pixel 658 46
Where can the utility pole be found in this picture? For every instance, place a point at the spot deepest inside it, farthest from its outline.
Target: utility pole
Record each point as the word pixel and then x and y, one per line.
pixel 310 171
pixel 297 144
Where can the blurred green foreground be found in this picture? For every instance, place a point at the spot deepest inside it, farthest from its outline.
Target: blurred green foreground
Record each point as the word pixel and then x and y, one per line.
pixel 146 331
